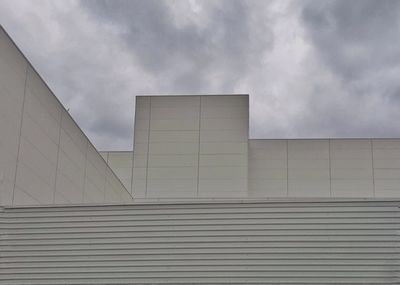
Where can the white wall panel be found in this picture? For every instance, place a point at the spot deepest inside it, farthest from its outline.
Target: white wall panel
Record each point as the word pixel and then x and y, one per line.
pixel 239 124
pixel 172 188
pixel 223 134
pixel 387 188
pixel 13 66
pixel 308 168
pixel 386 163
pixel 22 198
pixel 223 172
pixel 174 124
pixel 179 134
pixel 268 173
pixel 351 173
pixel 174 134
pixel 35 134
pixel 42 117
pixel 268 163
pixel 92 193
pixel 72 171
pixel 166 146
pixel 173 148
pixel 223 160
pixel 37 157
pixel 8 161
pixel 94 176
pixel 12 81
pixel 346 165
pixel 33 185
pixel 268 168
pixel 351 168
pixel 223 188
pixel 223 148
pixel 112 195
pixel 172 173
pixel 31 157
pixel 121 163
pixel 36 86
pixel 35 129
pixel 140 146
pixel 68 189
pixel 354 188
pixel 271 188
pixel 173 160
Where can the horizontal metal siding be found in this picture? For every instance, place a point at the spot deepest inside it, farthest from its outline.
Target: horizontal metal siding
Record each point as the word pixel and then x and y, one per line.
pixel 203 243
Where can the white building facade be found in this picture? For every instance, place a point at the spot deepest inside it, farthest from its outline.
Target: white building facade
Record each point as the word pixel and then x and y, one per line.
pixel 197 147
pixel 195 202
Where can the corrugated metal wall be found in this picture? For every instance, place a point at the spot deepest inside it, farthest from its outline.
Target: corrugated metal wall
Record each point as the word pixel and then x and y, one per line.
pixel 203 243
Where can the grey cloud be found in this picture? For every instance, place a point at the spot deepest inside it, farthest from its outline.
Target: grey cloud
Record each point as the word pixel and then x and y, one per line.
pixel 357 41
pixel 355 37
pixel 312 68
pixel 189 54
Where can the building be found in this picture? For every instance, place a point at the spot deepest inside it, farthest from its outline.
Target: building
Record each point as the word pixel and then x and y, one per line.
pixel 195 202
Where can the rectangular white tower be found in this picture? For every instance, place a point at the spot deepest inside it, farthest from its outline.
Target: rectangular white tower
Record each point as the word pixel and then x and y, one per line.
pixel 190 147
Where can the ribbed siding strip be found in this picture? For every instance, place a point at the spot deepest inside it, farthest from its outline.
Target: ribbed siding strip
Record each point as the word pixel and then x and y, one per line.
pixel 203 243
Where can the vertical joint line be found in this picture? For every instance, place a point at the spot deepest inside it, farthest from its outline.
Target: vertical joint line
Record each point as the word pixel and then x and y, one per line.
pixel 330 169
pixel 287 168
pixel 148 149
pixel 131 190
pixel 198 152
pixel 57 160
pixel 373 170
pixel 133 149
pixel 84 171
pixel 132 161
pixel 20 133
pixel 105 178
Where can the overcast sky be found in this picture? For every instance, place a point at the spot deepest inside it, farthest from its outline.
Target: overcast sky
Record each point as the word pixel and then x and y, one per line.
pixel 312 68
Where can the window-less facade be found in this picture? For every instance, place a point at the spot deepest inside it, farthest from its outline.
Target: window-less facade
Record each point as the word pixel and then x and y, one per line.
pixel 197 147
pixel 45 158
pixel 195 202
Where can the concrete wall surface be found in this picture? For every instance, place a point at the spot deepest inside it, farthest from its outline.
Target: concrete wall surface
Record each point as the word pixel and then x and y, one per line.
pixel 44 156
pixel 190 147
pixel 319 168
pixel 324 168
pixel 121 163
pixel 196 147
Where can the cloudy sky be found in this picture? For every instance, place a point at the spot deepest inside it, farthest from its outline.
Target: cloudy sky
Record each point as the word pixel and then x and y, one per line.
pixel 312 68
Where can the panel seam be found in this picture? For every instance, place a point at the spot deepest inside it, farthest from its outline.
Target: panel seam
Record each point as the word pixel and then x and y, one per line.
pixel 287 168
pixel 373 170
pixel 148 148
pixel 133 149
pixel 198 153
pixel 84 172
pixel 105 178
pixel 20 133
pixel 330 168
pixel 57 160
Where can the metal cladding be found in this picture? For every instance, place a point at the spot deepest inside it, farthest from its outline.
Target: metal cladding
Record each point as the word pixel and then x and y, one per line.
pixel 203 243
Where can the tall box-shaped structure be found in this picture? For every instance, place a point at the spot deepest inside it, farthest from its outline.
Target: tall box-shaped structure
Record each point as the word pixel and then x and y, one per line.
pixel 190 147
